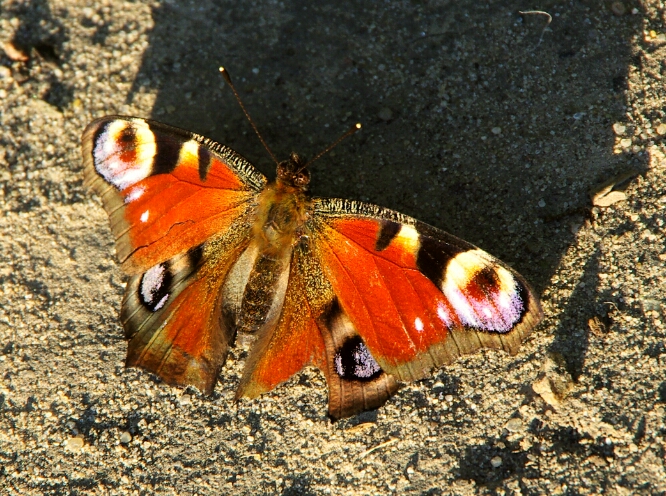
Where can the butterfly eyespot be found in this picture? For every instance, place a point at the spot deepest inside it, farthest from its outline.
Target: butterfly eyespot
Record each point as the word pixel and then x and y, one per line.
pixel 354 362
pixel 154 287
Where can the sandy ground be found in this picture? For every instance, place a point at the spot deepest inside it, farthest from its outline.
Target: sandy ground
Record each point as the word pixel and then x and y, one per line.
pixel 476 120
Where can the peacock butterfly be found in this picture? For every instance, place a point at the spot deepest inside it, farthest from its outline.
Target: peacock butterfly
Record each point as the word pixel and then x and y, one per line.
pixel 368 295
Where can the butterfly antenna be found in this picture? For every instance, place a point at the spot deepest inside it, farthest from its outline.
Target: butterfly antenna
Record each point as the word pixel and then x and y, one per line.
pixel 226 77
pixel 356 127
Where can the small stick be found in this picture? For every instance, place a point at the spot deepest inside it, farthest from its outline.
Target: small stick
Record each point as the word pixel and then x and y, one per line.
pixel 379 446
pixel 539 12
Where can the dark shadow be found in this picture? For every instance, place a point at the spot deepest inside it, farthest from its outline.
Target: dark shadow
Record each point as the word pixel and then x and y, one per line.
pixel 429 83
pixel 572 338
pixel 41 36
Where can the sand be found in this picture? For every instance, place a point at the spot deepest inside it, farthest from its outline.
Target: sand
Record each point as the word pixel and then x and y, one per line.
pixel 476 120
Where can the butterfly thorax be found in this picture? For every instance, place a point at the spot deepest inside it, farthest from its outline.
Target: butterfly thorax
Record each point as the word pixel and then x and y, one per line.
pixel 282 211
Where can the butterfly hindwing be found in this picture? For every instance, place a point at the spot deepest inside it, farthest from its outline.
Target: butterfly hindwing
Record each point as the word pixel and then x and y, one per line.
pixel 173 314
pixel 166 190
pixel 312 329
pixel 418 296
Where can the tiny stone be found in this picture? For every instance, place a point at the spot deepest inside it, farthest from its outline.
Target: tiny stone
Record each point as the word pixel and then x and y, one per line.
pixel 186 399
pixel 496 130
pixel 385 114
pixel 542 203
pixel 609 199
pixel 14 53
pixel 449 398
pixel 5 72
pixel 619 128
pixel 125 437
pixel 625 142
pixel 514 425
pixel 618 8
pixel 661 129
pixel 496 461
pixel 73 444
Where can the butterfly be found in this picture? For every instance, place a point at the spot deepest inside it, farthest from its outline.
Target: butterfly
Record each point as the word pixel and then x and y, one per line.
pixel 212 249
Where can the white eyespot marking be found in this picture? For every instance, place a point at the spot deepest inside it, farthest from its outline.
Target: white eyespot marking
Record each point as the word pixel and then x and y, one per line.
pixel 483 294
pixel 144 216
pixel 353 361
pixel 134 194
pixel 366 366
pixel 189 152
pixel 407 239
pixel 443 315
pixel 123 152
pixel 161 303
pixel 418 324
pixel 152 287
pixel 462 307
pixel 339 368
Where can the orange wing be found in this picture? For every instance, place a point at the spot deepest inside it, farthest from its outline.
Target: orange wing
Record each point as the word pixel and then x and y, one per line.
pixel 181 208
pixel 166 190
pixel 418 296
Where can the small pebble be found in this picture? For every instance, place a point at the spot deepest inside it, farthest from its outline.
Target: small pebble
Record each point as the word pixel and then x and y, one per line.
pixel 619 128
pixel 496 461
pixel 186 399
pixel 661 129
pixel 385 114
pixel 625 142
pixel 73 444
pixel 618 8
pixel 448 398
pixel 542 203
pixel 514 425
pixel 125 437
pixel 14 53
pixel 496 130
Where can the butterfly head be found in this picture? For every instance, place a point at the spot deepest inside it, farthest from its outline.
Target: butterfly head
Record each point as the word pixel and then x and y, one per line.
pixel 293 172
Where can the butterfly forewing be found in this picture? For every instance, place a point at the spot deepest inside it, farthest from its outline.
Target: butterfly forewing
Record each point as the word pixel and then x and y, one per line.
pixel 418 296
pixel 166 190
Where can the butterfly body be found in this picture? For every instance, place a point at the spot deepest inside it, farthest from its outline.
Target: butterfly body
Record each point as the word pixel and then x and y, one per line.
pixel 368 295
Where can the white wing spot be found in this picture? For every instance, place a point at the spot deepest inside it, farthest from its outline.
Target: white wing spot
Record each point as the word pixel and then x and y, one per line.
pixel 134 194
pixel 161 303
pixel 121 163
pixel 443 314
pixel 366 366
pixel 151 283
pixel 418 324
pixel 144 216
pixel 338 365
